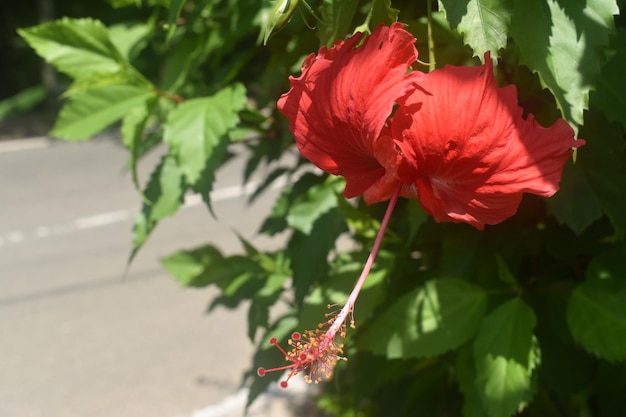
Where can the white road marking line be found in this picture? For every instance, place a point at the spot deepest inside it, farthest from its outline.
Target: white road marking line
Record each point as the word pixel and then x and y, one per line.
pixel 228 193
pixel 24 144
pixel 103 219
pixel 14 237
pixel 120 216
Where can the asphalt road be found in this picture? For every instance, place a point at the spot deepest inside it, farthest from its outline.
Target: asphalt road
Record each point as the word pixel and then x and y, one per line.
pixel 77 338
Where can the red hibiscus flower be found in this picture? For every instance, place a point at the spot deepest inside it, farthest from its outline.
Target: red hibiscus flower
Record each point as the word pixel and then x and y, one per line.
pixel 457 142
pixel 468 150
pixel 345 95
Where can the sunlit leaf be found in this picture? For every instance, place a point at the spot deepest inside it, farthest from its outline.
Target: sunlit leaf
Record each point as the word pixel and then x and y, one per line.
pixel 465 367
pixel 76 47
pixel 307 208
pixel 129 39
pixel 431 320
pixel 506 355
pixel 90 112
pixel 190 268
pixel 197 131
pixel 277 220
pixel 485 24
pixel 564 47
pixel 164 193
pixel 342 276
pixel 132 131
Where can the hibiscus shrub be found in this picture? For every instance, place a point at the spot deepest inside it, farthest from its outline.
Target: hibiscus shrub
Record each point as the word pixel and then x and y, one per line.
pixel 466 158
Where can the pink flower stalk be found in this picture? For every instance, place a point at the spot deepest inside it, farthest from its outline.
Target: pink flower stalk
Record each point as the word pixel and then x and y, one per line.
pixel 318 351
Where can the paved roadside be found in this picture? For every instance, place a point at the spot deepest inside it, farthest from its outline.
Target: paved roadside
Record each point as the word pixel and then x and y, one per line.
pixel 77 338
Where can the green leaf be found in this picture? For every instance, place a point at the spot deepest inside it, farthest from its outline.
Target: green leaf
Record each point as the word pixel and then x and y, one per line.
pixel 459 257
pixel 309 253
pixel 129 39
pixel 188 267
pixel 176 7
pixel 76 47
pixel 382 13
pixel 336 20
pixel 563 45
pixel 575 205
pixel 165 194
pixel 181 60
pixel 505 274
pixel 197 132
pixel 334 291
pixel 23 101
pixel 124 3
pixel 465 367
pixel 258 316
pixel 263 300
pixel 558 349
pixel 608 265
pixel 429 321
pixel 484 24
pixel 596 315
pixel 97 80
pixel 415 218
pixel 360 221
pixel 206 265
pixel 89 112
pixel 506 355
pixel 307 208
pixel 277 220
pixel 257 276
pixel 611 91
pixel 603 159
pixel 132 129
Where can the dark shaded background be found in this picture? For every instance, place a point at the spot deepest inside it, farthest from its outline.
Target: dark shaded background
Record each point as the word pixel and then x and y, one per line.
pixel 20 67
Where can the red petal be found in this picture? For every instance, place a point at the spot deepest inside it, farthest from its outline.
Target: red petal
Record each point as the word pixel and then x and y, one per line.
pixel 343 98
pixel 389 156
pixel 472 153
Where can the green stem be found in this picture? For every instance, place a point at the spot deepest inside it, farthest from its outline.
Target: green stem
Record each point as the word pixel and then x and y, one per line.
pixel 175 98
pixel 431 42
